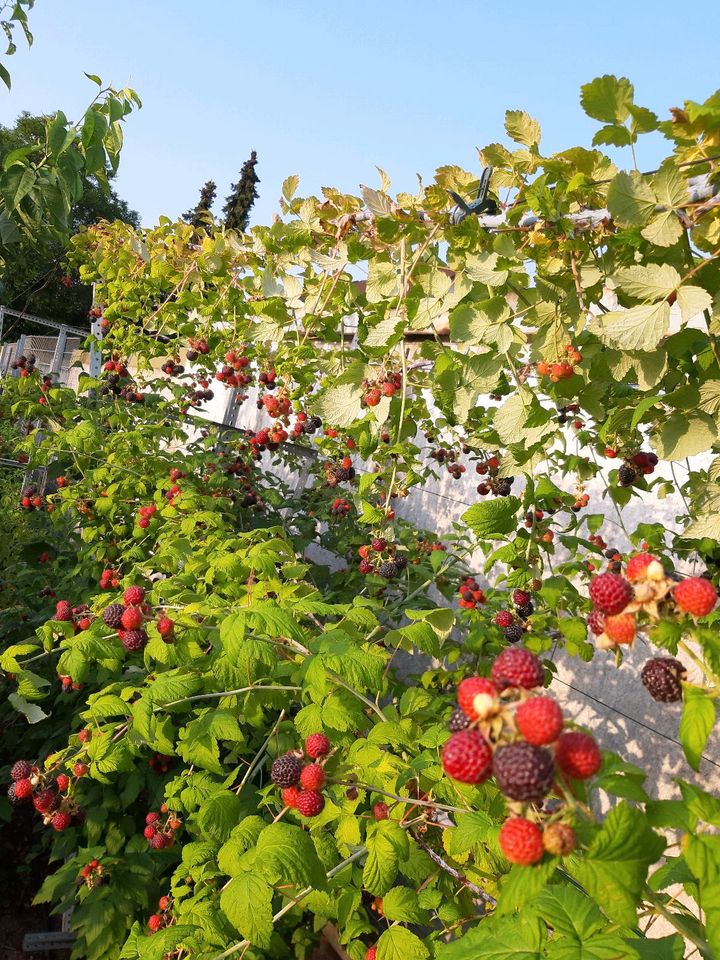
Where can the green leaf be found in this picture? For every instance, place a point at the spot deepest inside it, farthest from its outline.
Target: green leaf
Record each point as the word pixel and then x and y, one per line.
pixel 290 185
pixel 569 912
pixel 652 281
pixel 616 864
pixel 401 903
pixel 398 943
pixel 522 128
pixel 286 854
pixel 492 519
pixel 522 884
pixel 639 328
pixel 607 98
pixel 698 719
pixel 387 845
pixel 630 199
pixel 664 229
pixel 693 301
pixel 660 948
pixel 219 815
pixel 247 903
pixel 684 436
pixel 710 397
pixel 340 406
pixel 31 711
pixel 512 938
pixel 512 418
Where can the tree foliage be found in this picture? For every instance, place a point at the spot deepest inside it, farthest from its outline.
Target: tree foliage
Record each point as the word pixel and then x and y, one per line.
pixel 242 196
pixel 198 216
pixel 34 279
pixel 580 348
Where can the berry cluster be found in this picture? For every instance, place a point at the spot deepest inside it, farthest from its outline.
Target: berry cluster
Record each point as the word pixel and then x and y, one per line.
pixel 382 558
pixel 79 616
pixel 28 782
pixel 562 370
pixel 339 472
pixel 116 365
pixel 30 499
pixel 385 385
pixel 163 918
pixel 301 783
pixel 498 486
pixel 160 828
pixel 308 425
pixel 444 455
pixel 173 368
pixel 145 515
pixel 275 406
pixel 128 618
pixel 470 594
pixel 197 347
pixel 92 874
pixel 109 579
pixel 340 507
pixel 502 728
pixel 26 365
pixel 635 466
pixel 567 412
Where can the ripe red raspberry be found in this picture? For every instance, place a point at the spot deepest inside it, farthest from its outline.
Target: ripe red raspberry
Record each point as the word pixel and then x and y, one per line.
pixel 662 677
pixel 371 953
pixel 521 598
pixel 133 596
pixel 165 627
pixel 61 821
pixel 80 769
pixel 290 796
pixel 312 777
pixel 155 922
pixel 477 697
pixel 521 841
pixel 159 840
pixel 317 745
pixel 23 789
pixel 132 618
pixel 365 567
pixel 84 736
pixel 610 593
pixel 696 596
pixel 578 755
pixel 152 818
pixel 637 565
pixel 20 770
pixel 381 811
pixel 539 720
pixel 559 839
pixel 378 544
pixel 286 770
pixel 596 622
pixel 621 628
pixel 63 611
pixel 310 803
pixel 63 782
pixel 45 801
pixel 149 832
pixel 524 772
pixel 467 757
pixel 134 640
pixel 164 903
pixel 517 667
pixel 503 618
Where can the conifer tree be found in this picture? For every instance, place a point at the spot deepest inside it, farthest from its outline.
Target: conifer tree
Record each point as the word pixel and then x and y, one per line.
pixel 203 206
pixel 242 196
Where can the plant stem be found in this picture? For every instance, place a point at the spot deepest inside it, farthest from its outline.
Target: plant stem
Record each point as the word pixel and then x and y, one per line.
pixel 223 693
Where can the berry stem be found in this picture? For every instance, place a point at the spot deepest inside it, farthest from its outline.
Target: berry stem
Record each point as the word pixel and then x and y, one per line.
pixel 707 672
pixel 223 693
pixel 675 920
pixel 436 858
pixel 260 755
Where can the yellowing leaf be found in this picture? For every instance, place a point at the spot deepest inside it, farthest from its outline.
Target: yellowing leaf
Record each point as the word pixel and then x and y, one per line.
pixel 639 328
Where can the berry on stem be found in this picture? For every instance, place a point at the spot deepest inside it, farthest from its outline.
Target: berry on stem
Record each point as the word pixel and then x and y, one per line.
pixel 517 667
pixel 467 757
pixel 521 841
pixel 539 720
pixel 523 771
pixel 610 593
pixel 662 678
pixel 312 777
pixel 696 596
pixel 309 803
pixel 578 755
pixel 477 697
pixel 286 770
pixel 317 745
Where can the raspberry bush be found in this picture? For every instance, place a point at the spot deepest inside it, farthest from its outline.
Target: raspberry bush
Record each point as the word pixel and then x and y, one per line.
pixel 202 686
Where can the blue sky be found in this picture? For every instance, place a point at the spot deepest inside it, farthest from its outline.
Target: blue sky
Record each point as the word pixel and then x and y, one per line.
pixel 328 90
